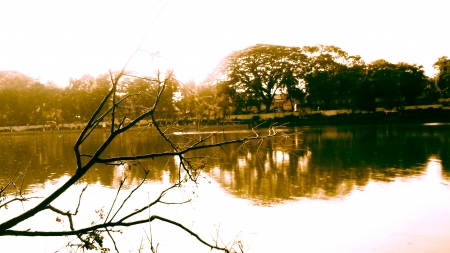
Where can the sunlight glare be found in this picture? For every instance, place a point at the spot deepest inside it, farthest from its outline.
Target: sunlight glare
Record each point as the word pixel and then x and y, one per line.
pixel 433 172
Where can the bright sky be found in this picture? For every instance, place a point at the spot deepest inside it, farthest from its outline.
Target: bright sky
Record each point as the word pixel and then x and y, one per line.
pixel 55 40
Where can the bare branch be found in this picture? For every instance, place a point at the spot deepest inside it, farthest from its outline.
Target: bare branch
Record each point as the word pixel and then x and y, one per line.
pixel 21 199
pixel 91 237
pixel 105 226
pixel 163 154
pixel 129 195
pixel 115 199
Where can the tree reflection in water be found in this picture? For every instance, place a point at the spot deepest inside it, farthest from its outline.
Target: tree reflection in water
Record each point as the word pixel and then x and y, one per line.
pixel 322 162
pixel 329 162
pixel 391 183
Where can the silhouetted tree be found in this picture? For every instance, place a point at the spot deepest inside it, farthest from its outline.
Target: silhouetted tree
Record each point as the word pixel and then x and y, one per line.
pixel 442 78
pixel 261 71
pixel 333 77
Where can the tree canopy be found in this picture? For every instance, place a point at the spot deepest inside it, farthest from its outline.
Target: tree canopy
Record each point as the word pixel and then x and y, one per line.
pixel 324 76
pixel 332 76
pixel 260 72
pixel 442 78
pixel 313 76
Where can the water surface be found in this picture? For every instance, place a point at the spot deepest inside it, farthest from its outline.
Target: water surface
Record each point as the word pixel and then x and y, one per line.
pixel 314 189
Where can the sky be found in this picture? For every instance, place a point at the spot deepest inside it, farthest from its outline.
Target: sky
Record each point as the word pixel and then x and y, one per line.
pixel 61 39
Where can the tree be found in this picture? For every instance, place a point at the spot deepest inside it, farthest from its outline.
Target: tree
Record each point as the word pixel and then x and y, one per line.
pixel 382 77
pixel 442 78
pixel 166 108
pixel 214 103
pixel 147 88
pixel 94 235
pixel 412 82
pixel 24 100
pixel 185 102
pixel 259 72
pixel 79 100
pixel 396 84
pixel 333 77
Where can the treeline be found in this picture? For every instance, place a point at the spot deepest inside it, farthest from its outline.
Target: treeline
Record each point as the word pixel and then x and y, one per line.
pixel 312 76
pixel 325 77
pixel 26 101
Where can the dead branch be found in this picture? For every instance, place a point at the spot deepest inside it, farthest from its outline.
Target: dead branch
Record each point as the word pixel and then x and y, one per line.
pixel 91 236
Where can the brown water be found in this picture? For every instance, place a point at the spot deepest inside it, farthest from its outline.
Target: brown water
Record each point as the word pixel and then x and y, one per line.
pixel 324 189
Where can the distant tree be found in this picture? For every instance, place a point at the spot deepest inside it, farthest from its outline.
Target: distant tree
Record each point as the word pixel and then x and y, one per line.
pixel 431 91
pixel 296 89
pixel 381 76
pixel 207 101
pixel 412 82
pixel 85 83
pixel 185 101
pixel 396 84
pixel 259 72
pixel 148 88
pixel 166 108
pixel 442 78
pixel 232 97
pixel 102 84
pixel 24 100
pixel 79 99
pixel 13 88
pixel 8 106
pixel 333 77
pixel 352 79
pixel 15 79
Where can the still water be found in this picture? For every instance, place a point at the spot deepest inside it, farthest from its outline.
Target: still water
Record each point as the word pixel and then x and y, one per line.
pixel 316 189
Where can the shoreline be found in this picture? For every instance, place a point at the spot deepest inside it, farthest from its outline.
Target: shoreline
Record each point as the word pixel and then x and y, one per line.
pixel 379 118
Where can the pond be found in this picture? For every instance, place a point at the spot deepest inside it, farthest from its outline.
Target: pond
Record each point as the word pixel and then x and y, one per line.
pixel 379 188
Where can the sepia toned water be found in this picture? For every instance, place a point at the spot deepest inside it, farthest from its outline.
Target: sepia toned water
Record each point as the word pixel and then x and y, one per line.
pixel 313 189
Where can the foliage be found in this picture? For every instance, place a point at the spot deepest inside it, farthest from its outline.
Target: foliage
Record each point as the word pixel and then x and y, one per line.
pixel 118 106
pixel 319 76
pixel 396 84
pixel 256 74
pixel 442 78
pixel 333 77
pixel 24 100
pixel 322 76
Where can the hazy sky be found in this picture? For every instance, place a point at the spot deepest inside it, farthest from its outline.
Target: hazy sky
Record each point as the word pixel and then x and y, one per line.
pixel 56 40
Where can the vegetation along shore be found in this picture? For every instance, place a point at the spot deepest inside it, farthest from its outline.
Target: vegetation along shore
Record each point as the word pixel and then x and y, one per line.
pixel 300 86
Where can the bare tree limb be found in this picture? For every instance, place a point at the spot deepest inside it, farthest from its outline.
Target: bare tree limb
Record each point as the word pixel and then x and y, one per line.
pixel 91 237
pixel 105 227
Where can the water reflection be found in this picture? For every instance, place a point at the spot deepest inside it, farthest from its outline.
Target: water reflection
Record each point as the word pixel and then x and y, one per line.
pixel 433 172
pixel 323 163
pixel 357 189
pixel 330 161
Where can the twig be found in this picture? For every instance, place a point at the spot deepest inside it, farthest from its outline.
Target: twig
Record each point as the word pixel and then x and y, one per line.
pixel 115 199
pixel 131 193
pixel 104 227
pixel 21 199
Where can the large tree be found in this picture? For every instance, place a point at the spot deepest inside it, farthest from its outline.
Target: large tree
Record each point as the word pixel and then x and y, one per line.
pixel 333 77
pixel 442 78
pixel 259 72
pixel 396 84
pixel 412 82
